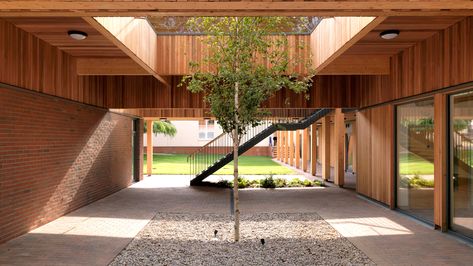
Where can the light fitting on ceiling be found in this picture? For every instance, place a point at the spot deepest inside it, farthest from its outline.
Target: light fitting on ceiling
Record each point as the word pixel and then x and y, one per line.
pixel 389 34
pixel 77 35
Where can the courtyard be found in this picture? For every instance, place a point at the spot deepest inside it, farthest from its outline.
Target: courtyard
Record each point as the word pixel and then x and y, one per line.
pixel 153 225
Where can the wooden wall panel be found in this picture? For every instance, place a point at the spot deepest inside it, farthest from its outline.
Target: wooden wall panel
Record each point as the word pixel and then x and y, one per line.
pixel 175 52
pixel 31 63
pixel 440 61
pixel 374 154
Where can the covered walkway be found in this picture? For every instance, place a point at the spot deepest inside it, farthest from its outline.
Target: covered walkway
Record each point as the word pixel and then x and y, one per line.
pixel 95 234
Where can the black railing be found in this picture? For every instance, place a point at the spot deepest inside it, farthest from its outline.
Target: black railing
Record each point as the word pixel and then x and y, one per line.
pixel 219 152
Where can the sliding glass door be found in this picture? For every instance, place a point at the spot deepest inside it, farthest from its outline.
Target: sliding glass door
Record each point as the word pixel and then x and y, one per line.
pixel 415 159
pixel 461 163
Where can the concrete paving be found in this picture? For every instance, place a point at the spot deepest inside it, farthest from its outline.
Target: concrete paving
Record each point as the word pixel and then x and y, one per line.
pixel 95 234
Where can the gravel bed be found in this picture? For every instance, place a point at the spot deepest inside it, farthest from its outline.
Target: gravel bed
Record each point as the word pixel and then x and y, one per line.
pixel 290 239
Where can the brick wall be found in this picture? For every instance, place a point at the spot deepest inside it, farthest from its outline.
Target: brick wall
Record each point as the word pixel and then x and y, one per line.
pixel 56 156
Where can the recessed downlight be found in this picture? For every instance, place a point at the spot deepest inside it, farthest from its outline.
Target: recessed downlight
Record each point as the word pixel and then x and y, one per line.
pixel 389 34
pixel 77 35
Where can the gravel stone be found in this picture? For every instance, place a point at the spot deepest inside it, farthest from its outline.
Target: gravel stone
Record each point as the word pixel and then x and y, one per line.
pixel 290 239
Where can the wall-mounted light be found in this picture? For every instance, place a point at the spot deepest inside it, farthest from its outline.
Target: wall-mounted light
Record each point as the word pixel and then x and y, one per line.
pixel 389 34
pixel 77 35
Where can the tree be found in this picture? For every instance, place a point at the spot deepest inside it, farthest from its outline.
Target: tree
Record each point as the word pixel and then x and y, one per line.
pixel 249 61
pixel 163 127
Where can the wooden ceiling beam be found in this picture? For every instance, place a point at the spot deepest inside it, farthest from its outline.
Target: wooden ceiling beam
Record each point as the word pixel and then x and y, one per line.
pixel 333 36
pixel 134 37
pixel 358 65
pixel 192 6
pixel 108 67
pixel 249 13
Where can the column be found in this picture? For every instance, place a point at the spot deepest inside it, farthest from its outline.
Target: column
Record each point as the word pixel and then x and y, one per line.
pixel 297 149
pixel 305 149
pixel 149 147
pixel 286 147
pixel 313 155
pixel 339 138
pixel 325 152
pixel 291 148
pixel 440 161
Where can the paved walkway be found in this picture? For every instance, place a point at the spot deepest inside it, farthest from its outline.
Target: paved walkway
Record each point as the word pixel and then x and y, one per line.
pixel 95 234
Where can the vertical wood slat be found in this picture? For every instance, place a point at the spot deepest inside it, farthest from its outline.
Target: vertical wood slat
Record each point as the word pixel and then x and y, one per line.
pixel 305 149
pixel 286 146
pixel 375 160
pixel 339 141
pixel 325 154
pixel 291 148
pixel 149 147
pixel 297 149
pixel 440 161
pixel 313 156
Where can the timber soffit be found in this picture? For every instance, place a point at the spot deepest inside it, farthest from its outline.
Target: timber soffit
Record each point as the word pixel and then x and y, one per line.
pixel 233 8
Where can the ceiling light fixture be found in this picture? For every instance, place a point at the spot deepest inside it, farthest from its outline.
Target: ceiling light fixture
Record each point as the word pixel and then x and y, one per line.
pixel 77 35
pixel 389 34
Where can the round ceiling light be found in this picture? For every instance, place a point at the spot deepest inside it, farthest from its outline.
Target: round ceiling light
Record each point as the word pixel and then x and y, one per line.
pixel 77 35
pixel 389 34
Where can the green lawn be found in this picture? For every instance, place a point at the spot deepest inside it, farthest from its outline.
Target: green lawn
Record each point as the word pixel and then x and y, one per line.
pixel 411 164
pixel 176 164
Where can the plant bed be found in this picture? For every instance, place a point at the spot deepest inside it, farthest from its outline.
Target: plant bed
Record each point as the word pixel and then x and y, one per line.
pixel 289 239
pixel 268 182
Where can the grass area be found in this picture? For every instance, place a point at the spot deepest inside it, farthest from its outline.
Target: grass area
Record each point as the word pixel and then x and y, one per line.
pixel 176 164
pixel 411 164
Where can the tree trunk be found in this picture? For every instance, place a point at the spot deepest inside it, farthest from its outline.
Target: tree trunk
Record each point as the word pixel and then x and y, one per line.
pixel 236 143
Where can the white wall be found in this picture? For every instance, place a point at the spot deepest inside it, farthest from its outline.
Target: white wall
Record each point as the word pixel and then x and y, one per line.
pixel 187 136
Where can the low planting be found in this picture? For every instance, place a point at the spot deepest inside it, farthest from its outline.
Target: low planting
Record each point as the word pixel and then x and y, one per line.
pixel 270 182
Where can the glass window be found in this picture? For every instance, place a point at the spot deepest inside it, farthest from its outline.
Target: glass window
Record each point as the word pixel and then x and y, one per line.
pixel 461 163
pixel 415 159
pixel 206 129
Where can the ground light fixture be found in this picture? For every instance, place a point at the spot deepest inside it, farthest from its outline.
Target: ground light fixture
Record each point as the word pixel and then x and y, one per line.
pixel 77 35
pixel 389 34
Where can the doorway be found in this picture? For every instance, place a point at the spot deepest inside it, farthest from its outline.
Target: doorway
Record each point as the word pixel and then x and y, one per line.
pixel 461 163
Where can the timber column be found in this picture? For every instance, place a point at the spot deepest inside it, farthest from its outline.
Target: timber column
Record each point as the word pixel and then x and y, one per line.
pixel 339 141
pixel 325 152
pixel 149 147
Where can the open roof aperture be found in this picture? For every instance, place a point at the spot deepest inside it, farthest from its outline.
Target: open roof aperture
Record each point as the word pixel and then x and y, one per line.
pixel 179 26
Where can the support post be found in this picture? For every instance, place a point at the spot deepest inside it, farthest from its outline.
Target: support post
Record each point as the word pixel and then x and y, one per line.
pixel 325 148
pixel 297 149
pixel 278 152
pixel 440 161
pixel 313 155
pixel 291 148
pixel 286 147
pixel 339 140
pixel 149 147
pixel 305 149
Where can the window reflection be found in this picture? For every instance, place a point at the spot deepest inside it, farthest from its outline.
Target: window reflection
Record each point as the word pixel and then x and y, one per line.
pixel 415 159
pixel 461 160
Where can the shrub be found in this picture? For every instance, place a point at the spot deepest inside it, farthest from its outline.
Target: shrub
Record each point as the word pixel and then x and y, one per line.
pixel 255 183
pixel 307 183
pixel 243 182
pixel 319 183
pixel 280 182
pixel 419 182
pixel 268 182
pixel 295 182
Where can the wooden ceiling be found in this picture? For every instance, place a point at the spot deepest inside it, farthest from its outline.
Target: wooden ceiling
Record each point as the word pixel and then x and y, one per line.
pixel 235 7
pixel 54 31
pixel 412 31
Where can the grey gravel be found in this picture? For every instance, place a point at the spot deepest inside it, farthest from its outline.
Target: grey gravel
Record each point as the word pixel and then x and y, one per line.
pixel 290 239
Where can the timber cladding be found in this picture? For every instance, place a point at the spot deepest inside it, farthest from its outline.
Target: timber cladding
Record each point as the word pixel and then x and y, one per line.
pixel 57 156
pixel 375 153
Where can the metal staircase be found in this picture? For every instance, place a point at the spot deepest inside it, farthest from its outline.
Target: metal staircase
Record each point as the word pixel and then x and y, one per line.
pixel 219 152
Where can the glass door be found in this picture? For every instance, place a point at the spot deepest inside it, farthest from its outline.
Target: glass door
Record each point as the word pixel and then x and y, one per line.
pixel 415 159
pixel 461 163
